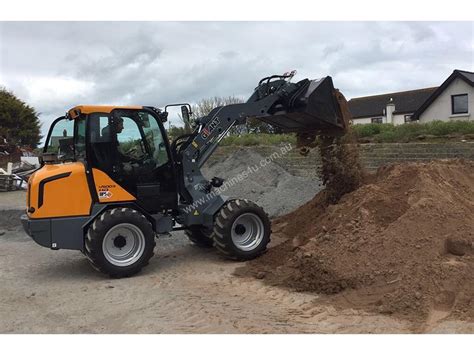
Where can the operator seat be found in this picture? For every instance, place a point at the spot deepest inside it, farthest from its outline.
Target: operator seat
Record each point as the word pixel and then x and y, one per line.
pixel 104 151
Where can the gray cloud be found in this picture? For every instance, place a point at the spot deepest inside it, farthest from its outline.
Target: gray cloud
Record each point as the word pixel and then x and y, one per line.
pixel 56 65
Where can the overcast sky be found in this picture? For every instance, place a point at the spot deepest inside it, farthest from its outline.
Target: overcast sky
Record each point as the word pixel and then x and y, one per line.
pixel 54 66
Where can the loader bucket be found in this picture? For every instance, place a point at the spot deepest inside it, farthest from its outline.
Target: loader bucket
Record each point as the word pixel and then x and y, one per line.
pixel 318 109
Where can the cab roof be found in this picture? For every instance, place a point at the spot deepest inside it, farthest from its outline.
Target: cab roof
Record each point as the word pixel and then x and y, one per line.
pixel 87 109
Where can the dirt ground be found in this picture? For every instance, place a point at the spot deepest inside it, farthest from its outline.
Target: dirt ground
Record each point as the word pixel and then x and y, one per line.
pixel 184 290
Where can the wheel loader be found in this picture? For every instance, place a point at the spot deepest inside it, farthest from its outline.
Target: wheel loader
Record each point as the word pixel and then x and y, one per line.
pixel 111 182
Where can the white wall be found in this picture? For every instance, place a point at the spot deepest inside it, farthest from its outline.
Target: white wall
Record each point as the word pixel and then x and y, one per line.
pixel 362 120
pixel 399 119
pixel 440 109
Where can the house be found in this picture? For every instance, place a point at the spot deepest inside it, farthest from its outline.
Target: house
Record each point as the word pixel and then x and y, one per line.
pixel 453 100
pixel 449 101
pixel 395 107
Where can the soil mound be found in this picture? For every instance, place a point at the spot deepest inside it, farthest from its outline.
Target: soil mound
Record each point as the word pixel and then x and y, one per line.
pixel 402 244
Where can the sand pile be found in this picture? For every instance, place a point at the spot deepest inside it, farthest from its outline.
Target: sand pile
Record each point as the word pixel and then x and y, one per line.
pixel 400 244
pixel 268 184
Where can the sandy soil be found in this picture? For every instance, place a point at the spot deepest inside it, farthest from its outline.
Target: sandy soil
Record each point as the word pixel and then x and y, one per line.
pixel 184 290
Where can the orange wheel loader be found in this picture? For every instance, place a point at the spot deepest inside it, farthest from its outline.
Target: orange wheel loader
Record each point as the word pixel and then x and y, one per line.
pixel 111 182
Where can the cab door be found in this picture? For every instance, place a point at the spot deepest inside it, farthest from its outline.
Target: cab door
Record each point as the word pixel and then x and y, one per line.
pixel 130 147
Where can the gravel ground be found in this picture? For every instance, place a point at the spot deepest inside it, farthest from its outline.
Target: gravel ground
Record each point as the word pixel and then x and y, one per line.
pixel 270 186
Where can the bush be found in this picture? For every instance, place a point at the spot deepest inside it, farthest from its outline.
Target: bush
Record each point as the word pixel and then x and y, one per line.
pixel 371 129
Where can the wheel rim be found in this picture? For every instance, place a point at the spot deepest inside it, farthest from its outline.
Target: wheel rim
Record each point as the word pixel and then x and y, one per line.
pixel 123 244
pixel 247 231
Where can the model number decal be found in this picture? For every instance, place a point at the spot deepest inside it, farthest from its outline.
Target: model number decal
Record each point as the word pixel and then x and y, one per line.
pixel 208 130
pixel 104 192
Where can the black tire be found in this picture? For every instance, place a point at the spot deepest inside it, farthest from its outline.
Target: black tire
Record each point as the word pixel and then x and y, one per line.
pixel 200 237
pixel 119 220
pixel 224 222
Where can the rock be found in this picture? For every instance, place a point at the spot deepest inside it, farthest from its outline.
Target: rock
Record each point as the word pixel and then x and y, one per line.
pixel 261 275
pixel 458 246
pixel 2 232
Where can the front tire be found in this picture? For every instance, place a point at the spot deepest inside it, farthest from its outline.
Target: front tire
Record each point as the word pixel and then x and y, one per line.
pixel 120 242
pixel 241 230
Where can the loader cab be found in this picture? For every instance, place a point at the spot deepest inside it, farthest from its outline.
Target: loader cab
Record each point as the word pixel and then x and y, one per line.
pixel 120 146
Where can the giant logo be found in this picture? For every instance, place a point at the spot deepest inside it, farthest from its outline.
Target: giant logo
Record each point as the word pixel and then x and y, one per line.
pixel 206 132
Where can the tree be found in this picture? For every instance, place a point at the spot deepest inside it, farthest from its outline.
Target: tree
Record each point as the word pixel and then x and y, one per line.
pixel 19 122
pixel 205 106
pixel 174 132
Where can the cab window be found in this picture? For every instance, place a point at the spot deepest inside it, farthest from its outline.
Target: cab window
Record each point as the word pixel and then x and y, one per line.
pixel 139 137
pixel 80 138
pixel 154 138
pixel 61 139
pixel 129 138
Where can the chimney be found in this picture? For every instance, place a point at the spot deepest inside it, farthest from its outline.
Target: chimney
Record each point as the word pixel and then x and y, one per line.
pixel 389 111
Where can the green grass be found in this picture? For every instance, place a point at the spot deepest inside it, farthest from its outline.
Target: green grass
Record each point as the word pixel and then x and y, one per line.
pixel 259 139
pixel 387 133
pixel 372 132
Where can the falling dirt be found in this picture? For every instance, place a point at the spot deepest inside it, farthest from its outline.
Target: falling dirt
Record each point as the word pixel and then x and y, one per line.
pixel 341 171
pixel 400 244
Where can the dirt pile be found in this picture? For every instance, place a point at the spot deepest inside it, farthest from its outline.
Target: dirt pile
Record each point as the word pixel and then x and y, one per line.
pixel 400 244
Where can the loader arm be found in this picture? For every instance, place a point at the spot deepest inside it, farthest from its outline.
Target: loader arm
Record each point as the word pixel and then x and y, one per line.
pixel 307 108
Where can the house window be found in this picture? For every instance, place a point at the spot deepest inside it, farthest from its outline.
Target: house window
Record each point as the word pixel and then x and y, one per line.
pixel 408 118
pixel 459 104
pixel 376 119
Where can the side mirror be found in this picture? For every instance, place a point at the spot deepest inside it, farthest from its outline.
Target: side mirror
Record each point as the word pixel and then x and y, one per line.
pixel 185 114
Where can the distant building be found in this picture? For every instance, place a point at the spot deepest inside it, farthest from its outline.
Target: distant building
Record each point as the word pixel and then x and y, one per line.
pixel 453 100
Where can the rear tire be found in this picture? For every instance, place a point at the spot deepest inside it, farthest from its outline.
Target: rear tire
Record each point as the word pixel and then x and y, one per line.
pixel 241 230
pixel 120 242
pixel 200 237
